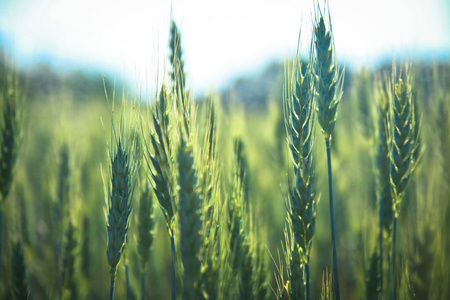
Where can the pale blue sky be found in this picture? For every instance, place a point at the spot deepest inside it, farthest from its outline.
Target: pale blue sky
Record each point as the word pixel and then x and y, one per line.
pixel 221 39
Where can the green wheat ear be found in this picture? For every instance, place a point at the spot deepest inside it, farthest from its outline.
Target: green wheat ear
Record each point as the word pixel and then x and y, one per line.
pixel 120 191
pixel 299 120
pixel 329 78
pixel 404 136
pixel 119 205
pixel 159 158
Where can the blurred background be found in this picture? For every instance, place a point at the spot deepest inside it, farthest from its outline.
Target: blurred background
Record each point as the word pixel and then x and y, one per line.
pixel 67 53
pixel 222 40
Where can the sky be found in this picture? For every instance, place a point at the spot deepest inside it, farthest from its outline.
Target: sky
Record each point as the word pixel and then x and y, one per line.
pixel 220 39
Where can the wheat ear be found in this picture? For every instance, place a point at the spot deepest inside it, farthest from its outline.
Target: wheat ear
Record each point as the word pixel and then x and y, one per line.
pixel 299 104
pixel 120 195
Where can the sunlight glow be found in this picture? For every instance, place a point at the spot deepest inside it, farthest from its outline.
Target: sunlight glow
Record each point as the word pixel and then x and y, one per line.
pixel 221 39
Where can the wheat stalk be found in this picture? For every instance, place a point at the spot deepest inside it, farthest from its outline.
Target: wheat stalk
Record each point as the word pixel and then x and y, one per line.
pixel 328 85
pixel 382 176
pixel 403 148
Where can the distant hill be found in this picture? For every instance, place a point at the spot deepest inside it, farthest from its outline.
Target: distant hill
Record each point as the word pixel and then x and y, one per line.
pixel 254 92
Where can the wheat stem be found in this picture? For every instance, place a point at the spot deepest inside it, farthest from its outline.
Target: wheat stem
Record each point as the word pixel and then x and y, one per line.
pixel 333 227
pixel 394 252
pixel 127 281
pixel 1 237
pixel 174 279
pixel 142 284
pixel 111 289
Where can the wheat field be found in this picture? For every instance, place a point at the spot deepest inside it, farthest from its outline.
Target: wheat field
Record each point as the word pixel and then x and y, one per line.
pixel 337 186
